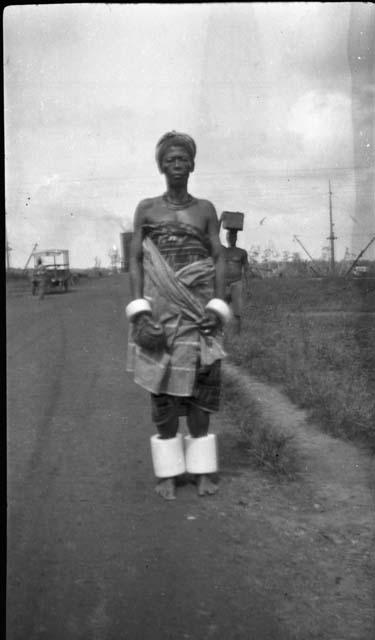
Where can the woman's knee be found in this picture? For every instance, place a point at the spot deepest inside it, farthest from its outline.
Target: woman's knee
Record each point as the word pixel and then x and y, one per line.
pixel 164 415
pixel 198 421
pixel 168 429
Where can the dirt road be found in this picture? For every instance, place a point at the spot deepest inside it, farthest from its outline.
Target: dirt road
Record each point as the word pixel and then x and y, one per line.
pixel 93 553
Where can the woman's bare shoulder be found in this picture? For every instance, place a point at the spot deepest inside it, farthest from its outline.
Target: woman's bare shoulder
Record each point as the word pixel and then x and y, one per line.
pixel 205 203
pixel 145 209
pixel 206 207
pixel 148 203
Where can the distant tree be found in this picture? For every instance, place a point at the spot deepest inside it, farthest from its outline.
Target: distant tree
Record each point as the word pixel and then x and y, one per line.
pixel 254 253
pixel 296 257
pixel 266 255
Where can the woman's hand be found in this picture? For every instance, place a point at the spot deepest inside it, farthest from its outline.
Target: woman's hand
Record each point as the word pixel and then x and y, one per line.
pixel 148 334
pixel 210 324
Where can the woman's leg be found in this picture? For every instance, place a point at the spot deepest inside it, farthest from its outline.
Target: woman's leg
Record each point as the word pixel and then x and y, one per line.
pixel 198 422
pixel 165 418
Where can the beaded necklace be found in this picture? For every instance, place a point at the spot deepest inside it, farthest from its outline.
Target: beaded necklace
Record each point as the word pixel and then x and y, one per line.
pixel 172 204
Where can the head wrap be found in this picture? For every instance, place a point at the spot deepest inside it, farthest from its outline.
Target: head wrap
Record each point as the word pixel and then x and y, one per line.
pixel 175 138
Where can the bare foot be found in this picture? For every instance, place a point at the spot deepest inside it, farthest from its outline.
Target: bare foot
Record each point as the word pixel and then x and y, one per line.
pixel 206 486
pixel 166 489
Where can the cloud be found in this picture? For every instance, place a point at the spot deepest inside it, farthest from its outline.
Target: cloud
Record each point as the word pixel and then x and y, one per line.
pixel 91 88
pixel 322 123
pixel 308 39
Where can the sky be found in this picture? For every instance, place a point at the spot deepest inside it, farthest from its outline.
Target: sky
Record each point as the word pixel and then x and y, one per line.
pixel 279 98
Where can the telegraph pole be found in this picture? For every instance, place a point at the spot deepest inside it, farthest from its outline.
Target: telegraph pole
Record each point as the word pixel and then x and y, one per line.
pixel 331 236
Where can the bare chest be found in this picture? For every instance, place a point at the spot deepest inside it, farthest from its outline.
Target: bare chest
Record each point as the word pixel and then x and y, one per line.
pixel 233 256
pixel 193 214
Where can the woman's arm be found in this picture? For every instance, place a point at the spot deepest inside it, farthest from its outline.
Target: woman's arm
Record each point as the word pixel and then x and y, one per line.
pixel 216 251
pixel 136 255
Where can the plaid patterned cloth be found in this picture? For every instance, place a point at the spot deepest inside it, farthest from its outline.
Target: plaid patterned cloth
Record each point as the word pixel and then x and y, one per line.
pixel 178 290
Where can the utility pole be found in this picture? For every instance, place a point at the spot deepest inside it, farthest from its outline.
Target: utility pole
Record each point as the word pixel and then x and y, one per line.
pixel 331 236
pixel 359 256
pixel 30 256
pixel 113 254
pixel 317 270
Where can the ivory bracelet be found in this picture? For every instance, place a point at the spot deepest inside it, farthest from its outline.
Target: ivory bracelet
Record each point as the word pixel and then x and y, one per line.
pixel 140 305
pixel 221 309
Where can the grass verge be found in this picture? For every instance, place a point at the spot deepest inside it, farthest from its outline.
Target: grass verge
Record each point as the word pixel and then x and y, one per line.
pixel 268 444
pixel 299 338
